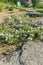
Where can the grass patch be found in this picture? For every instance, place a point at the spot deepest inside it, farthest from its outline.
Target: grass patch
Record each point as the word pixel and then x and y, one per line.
pixel 39 10
pixel 1 7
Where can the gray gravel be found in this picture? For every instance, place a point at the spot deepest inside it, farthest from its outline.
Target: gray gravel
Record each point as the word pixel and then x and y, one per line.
pixel 31 53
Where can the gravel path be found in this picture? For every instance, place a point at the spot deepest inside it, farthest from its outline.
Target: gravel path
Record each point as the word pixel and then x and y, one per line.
pixel 30 53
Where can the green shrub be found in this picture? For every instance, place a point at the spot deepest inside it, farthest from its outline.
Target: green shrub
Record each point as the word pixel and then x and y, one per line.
pixel 35 2
pixel 39 5
pixel 36 35
pixel 11 8
pixel 1 8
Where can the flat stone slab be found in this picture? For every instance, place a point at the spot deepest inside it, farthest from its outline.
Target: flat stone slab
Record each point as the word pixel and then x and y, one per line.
pixel 31 53
pixel 35 14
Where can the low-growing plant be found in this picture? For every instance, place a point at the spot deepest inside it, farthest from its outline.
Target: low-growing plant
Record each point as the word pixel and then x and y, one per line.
pixel 36 35
pixel 14 31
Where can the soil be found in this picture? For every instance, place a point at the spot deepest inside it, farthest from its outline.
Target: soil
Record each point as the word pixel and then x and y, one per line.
pixel 6 49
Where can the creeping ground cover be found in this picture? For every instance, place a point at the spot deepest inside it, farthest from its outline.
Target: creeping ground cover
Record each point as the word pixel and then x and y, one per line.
pixel 20 28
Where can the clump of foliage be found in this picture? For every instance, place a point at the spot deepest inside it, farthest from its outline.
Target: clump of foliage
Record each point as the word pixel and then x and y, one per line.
pixel 1 7
pixel 17 29
pixel 39 5
pixel 10 8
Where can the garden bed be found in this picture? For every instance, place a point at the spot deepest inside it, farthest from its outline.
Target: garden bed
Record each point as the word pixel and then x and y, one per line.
pixel 20 28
